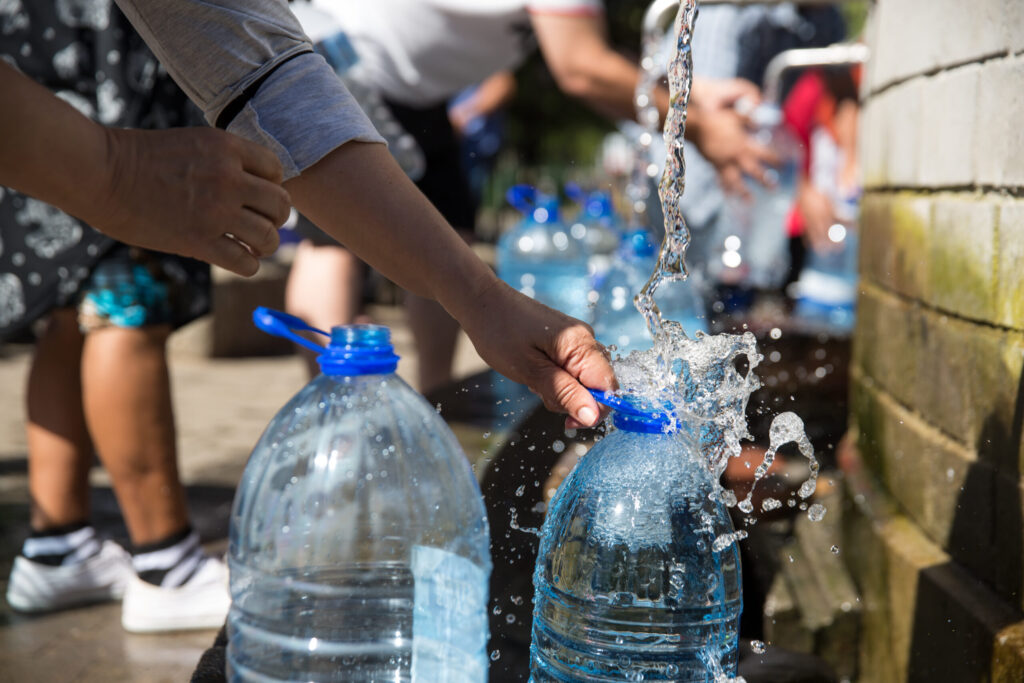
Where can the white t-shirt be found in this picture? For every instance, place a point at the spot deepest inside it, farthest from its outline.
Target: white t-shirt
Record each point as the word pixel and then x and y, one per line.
pixel 422 52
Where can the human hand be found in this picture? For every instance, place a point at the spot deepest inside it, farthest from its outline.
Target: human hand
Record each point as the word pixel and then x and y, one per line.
pixel 554 355
pixel 724 140
pixel 198 192
pixel 724 93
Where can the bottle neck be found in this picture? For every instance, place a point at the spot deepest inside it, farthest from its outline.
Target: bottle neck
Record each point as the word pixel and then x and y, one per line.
pixel 359 350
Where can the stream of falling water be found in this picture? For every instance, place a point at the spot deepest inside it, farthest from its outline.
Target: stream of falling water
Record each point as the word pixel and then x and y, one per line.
pixel 708 379
pixel 638 191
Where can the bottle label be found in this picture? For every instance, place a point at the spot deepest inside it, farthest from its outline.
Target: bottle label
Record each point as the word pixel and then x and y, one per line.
pixel 449 624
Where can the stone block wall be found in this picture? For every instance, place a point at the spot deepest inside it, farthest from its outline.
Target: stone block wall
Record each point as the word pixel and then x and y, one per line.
pixel 935 538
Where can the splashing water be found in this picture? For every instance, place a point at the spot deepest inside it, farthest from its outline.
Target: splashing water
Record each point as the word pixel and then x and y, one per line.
pixel 671 260
pixel 707 380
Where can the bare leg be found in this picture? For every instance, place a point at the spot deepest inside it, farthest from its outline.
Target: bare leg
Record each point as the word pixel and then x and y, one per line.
pixel 60 452
pixel 127 399
pixel 324 288
pixel 435 333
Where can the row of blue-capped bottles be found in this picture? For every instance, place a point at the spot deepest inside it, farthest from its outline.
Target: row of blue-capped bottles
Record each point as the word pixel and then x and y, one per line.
pixel 591 269
pixel 359 547
pixel 637 575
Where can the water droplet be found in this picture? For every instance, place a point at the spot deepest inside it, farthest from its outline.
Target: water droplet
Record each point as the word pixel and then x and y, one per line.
pixel 495 655
pixel 510 618
pixel 816 513
pixel 834 549
pixel 520 491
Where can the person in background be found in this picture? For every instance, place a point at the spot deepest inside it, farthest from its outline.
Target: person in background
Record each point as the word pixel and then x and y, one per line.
pixel 822 110
pixel 99 379
pixel 177 191
pixel 253 72
pixel 734 42
pixel 407 51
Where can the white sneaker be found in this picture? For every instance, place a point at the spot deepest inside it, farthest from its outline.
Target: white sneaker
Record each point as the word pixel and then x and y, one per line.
pixel 36 587
pixel 202 603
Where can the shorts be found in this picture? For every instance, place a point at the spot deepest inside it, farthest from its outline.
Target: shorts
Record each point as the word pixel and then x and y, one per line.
pixel 133 288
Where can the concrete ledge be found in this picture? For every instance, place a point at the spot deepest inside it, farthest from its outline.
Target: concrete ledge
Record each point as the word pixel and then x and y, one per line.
pixel 926 618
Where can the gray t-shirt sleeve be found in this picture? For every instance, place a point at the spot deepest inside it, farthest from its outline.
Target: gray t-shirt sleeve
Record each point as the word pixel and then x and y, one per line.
pixel 216 49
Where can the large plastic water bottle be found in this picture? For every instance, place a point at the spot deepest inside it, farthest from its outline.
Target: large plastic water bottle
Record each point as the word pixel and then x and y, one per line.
pixel 826 293
pixel 359 547
pixel 750 241
pixel 597 226
pixel 630 582
pixel 616 319
pixel 541 258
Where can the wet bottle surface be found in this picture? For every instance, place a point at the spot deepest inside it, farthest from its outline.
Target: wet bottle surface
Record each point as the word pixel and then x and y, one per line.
pixel 629 585
pixel 359 547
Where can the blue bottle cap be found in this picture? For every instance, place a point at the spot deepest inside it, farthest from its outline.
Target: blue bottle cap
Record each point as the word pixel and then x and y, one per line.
pixel 639 243
pixel 353 350
pixel 633 415
pixel 359 350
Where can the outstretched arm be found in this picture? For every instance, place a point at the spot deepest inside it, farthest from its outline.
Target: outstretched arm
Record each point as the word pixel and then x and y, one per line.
pixel 177 191
pixel 584 65
pixel 359 195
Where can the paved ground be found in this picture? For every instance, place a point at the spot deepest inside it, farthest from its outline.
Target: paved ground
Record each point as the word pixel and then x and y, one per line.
pixel 222 407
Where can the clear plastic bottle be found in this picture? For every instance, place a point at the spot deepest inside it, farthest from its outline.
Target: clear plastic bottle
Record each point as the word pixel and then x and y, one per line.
pixel 598 227
pixel 826 293
pixel 616 319
pixel 750 240
pixel 630 582
pixel 359 548
pixel 541 258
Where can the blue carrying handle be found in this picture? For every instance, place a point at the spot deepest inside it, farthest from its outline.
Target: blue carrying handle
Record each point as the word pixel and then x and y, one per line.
pixel 634 416
pixel 281 325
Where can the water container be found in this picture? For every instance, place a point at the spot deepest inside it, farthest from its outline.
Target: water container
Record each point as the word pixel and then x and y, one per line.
pixel 540 257
pixel 359 548
pixel 630 583
pixel 616 320
pixel 826 293
pixel 750 240
pixel 597 226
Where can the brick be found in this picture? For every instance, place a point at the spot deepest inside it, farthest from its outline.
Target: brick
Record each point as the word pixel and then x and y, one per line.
pixel 1013 22
pixel 1010 276
pixel 891 132
pixel 961 270
pixel 903 109
pixel 915 37
pixel 1008 657
pixel 888 342
pixel 875 257
pixel 903 42
pixel 896 231
pixel 956 623
pixel 947 125
pixel 1000 106
pixel 938 483
pixel 925 617
pixel 1009 538
pixel 872 142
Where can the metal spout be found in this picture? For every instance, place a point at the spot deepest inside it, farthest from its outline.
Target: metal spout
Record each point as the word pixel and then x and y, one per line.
pixel 840 54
